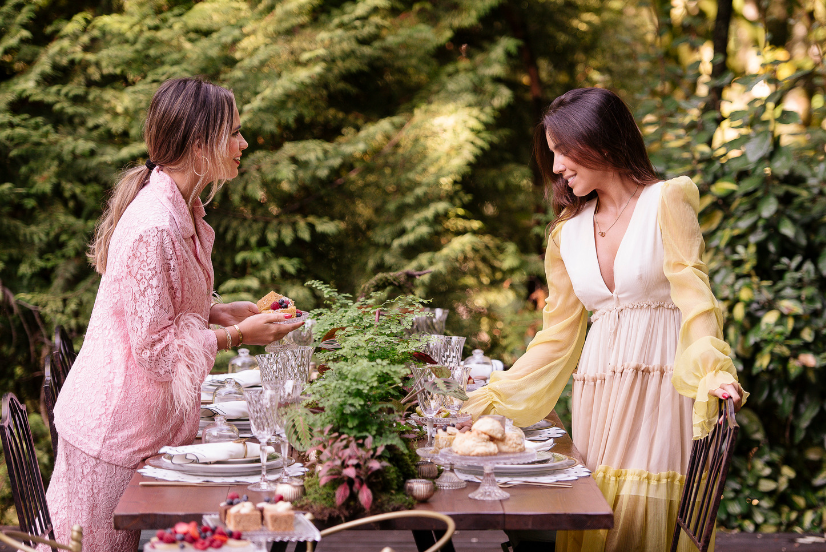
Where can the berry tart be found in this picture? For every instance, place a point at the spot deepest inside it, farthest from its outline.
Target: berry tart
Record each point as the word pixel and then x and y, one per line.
pixel 191 536
pixel 274 302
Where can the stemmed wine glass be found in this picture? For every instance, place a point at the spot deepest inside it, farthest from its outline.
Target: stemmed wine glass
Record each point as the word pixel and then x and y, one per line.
pixel 263 408
pixel 430 403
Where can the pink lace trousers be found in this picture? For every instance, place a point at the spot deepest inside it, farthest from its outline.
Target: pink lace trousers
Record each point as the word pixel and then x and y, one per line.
pixel 85 490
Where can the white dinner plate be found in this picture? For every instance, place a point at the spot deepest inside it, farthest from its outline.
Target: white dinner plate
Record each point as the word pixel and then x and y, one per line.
pixel 546 462
pixel 251 468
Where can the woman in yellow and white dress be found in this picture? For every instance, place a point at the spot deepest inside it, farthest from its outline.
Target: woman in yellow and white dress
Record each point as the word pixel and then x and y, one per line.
pixel 627 248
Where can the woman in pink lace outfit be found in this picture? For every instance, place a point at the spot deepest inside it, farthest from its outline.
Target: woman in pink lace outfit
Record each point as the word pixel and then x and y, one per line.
pixel 135 385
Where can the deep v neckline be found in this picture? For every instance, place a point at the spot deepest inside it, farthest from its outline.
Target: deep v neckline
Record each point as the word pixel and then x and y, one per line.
pixel 619 249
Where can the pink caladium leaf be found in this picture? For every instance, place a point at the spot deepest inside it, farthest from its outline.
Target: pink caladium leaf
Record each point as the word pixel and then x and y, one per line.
pixel 374 465
pixel 327 478
pixel 349 472
pixel 368 443
pixel 379 450
pixel 366 497
pixel 342 493
pixel 357 484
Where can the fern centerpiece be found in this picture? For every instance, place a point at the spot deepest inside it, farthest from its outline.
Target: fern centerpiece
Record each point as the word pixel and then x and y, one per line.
pixel 354 415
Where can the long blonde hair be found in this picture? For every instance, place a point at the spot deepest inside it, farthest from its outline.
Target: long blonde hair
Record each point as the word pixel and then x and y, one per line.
pixel 183 113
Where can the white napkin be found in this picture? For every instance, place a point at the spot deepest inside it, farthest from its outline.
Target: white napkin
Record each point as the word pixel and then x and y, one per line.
pixel 213 452
pixel 232 410
pixel 538 447
pixel 246 378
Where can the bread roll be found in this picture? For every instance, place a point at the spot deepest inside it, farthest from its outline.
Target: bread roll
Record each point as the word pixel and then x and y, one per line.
pixel 474 443
pixel 490 427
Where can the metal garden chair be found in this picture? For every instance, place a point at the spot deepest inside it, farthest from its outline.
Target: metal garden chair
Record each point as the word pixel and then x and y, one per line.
pixel 704 482
pixel 24 472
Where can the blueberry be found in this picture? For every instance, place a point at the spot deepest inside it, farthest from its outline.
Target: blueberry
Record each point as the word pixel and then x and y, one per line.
pixel 179 537
pixel 182 545
pixel 244 498
pixel 267 499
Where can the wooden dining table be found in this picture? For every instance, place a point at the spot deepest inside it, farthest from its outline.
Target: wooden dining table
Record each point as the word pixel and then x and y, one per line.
pixel 579 507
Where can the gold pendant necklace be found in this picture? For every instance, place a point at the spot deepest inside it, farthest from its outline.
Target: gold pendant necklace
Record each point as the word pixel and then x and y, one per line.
pixel 596 210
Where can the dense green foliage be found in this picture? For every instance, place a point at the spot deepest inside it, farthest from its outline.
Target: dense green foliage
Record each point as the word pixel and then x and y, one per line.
pixel 390 135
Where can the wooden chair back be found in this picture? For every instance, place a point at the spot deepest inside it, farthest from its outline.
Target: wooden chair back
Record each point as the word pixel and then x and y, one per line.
pixel 56 371
pixel 705 480
pixel 24 472
pixel 63 344
pixel 75 542
pixel 50 392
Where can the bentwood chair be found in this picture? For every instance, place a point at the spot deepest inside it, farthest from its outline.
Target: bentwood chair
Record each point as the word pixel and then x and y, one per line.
pixel 24 472
pixel 443 542
pixel 62 344
pixel 75 542
pixel 704 482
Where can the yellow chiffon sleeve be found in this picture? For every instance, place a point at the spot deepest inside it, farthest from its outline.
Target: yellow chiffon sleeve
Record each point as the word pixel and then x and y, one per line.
pixel 702 362
pixel 529 390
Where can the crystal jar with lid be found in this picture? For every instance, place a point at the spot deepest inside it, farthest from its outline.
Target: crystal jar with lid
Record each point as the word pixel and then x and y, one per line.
pixel 228 391
pixel 480 365
pixel 242 362
pixel 220 431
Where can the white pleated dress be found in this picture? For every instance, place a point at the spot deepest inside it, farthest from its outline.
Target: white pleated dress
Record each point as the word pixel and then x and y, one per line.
pixel 629 422
pixel 642 371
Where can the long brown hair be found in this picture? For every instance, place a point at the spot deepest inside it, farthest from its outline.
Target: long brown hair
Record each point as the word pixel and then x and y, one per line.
pixel 183 113
pixel 595 128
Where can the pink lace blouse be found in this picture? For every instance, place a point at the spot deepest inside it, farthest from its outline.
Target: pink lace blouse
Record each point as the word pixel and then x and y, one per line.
pixel 134 386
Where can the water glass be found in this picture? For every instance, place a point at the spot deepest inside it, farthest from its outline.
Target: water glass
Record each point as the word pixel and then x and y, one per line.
pixel 445 349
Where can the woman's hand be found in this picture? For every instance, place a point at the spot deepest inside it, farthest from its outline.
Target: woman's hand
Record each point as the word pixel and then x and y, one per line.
pixel 260 329
pixel 227 314
pixel 732 390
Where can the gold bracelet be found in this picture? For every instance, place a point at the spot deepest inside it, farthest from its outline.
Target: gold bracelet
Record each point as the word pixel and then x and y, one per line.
pixel 240 335
pixel 229 338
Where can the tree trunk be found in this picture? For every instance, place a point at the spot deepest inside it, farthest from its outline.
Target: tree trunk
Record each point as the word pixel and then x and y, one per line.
pixel 721 28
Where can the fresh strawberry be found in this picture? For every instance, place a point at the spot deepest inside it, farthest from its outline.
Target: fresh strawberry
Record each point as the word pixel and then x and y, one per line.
pixel 220 531
pixel 201 545
pixel 168 538
pixel 232 496
pixel 278 498
pixel 236 535
pixel 182 527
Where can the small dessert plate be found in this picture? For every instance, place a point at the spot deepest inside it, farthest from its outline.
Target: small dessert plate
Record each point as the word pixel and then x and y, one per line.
pixel 297 318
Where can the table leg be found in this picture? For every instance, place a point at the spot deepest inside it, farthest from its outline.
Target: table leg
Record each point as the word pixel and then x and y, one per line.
pixel 448 547
pixel 279 547
pixel 426 539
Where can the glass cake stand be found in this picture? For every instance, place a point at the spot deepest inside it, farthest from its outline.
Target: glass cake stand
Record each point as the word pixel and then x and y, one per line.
pixel 448 480
pixel 489 488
